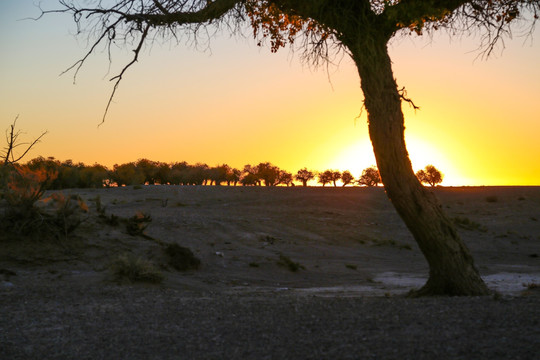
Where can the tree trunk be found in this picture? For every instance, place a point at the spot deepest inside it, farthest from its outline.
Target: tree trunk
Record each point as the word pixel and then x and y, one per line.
pixel 451 266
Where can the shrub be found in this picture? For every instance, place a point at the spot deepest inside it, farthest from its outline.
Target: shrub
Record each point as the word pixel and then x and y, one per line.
pixel 135 269
pixel 468 224
pixel 27 215
pixel 288 263
pixel 181 258
pixel 138 223
pixel 492 199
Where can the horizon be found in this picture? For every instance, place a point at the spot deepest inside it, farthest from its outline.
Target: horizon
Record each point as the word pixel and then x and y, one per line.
pixel 239 104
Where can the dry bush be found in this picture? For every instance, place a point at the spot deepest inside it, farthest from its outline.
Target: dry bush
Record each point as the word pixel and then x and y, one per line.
pixel 128 268
pixel 181 258
pixel 136 224
pixel 25 215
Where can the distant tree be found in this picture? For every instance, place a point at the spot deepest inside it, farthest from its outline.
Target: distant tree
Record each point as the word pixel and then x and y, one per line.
pixel 197 174
pixel 250 176
pixel 325 177
pixel 233 177
pixel 163 173
pixel 285 178
pixel 304 175
pixel 127 174
pixel 178 174
pixel 149 169
pixel 336 175
pixel 430 175
pixel 249 179
pixel 370 177
pixel 346 178
pixel 93 176
pixel 219 174
pixel 268 173
pixel 69 175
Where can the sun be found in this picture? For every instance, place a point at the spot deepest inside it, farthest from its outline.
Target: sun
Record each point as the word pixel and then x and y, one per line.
pixel 355 158
pixel 359 155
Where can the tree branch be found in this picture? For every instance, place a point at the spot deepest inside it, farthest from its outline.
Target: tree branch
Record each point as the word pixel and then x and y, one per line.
pixel 11 145
pixel 211 11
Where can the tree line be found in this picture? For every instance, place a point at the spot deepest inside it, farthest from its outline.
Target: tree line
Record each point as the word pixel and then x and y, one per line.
pixel 68 174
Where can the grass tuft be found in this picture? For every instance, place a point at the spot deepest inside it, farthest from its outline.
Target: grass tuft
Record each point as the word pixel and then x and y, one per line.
pixel 288 263
pixel 128 268
pixel 467 224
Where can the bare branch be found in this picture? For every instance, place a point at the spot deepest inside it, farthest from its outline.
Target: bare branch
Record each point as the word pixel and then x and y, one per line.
pixel 9 157
pixel 119 77
pixel 403 96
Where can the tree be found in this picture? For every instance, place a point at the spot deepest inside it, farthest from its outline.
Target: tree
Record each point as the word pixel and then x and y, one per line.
pixel 268 173
pixel 347 178
pixel 325 177
pixel 370 177
pixel 285 178
pixel 233 177
pixel 430 175
pixel 336 175
pixel 304 175
pixel 127 174
pixel 362 29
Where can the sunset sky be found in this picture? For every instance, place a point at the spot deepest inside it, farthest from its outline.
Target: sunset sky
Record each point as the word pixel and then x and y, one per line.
pixel 236 103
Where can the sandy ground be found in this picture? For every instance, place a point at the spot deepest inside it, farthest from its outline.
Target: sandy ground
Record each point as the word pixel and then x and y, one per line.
pixel 357 260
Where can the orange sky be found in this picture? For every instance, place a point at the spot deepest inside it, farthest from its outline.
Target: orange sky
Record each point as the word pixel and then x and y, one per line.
pixel 479 121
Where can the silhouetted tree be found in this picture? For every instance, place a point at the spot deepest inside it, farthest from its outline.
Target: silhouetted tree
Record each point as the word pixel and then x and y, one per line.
pixel 304 175
pixel 336 175
pixel 93 176
pixel 219 174
pixel 178 174
pixel 362 29
pixel 325 177
pixel 370 177
pixel 285 178
pixel 127 174
pixel 268 173
pixel 233 177
pixel 430 175
pixel 163 173
pixel 347 178
pixel 149 169
pixel 250 176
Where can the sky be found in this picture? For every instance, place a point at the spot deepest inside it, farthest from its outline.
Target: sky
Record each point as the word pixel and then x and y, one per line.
pixel 236 103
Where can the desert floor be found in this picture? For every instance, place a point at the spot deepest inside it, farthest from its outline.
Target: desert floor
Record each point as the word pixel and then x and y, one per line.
pixel 356 261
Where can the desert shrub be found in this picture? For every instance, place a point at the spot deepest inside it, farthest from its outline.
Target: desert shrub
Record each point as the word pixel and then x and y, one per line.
pixel 531 285
pixel 181 258
pixel 391 243
pixel 136 224
pixel 492 199
pixel 67 211
pixel 25 187
pixel 288 263
pixel 468 224
pixel 26 214
pixel 135 269
pixel 351 266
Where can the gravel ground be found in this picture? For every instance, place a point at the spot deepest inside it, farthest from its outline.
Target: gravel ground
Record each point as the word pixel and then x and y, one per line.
pixel 124 322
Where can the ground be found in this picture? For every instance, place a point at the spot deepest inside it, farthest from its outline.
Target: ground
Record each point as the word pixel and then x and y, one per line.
pixel 354 262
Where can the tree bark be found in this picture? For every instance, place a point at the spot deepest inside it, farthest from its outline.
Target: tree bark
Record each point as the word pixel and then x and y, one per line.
pixel 451 266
